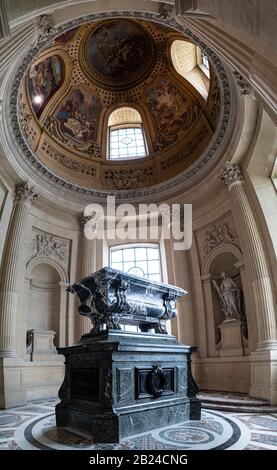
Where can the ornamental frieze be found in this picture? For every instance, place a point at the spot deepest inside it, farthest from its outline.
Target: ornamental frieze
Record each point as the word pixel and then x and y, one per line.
pixel 216 235
pixel 128 178
pixel 47 245
pixel 68 162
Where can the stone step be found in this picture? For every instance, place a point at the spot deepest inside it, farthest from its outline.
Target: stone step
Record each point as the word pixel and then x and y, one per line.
pixel 234 402
pixel 239 409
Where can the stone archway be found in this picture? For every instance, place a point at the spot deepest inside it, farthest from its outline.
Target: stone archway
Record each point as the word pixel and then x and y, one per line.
pixel 47 278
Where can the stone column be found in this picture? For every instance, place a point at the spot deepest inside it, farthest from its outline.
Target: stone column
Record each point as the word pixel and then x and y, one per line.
pixel 12 268
pixel 264 360
pixel 88 267
pixel 255 255
pixel 210 320
pixel 185 318
pixel 63 310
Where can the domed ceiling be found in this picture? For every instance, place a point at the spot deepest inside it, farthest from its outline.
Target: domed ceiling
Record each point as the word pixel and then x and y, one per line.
pixel 74 85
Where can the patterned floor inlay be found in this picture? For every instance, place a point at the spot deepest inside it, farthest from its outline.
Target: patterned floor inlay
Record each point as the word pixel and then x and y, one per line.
pixel 33 427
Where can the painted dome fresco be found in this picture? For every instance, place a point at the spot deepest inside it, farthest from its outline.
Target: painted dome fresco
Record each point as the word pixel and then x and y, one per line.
pixel 119 104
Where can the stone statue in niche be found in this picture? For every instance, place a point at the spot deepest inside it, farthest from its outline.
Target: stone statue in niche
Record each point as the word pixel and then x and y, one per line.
pixel 229 297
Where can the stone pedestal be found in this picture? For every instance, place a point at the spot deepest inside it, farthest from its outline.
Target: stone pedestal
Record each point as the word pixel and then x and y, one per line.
pixel 40 345
pixel 119 384
pixel 11 386
pixel 22 381
pixel 231 338
pixel 264 375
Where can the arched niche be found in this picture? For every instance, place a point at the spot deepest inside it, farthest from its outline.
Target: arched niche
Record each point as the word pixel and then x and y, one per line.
pixel 226 257
pixel 47 297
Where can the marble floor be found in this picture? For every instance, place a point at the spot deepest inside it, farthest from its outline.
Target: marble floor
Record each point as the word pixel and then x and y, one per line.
pixel 32 427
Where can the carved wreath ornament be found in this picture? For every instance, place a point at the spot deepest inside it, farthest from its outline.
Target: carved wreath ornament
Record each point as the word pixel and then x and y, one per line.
pixel 157 381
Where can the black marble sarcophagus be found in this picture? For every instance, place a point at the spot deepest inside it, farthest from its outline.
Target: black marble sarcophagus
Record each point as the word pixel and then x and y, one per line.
pixel 119 382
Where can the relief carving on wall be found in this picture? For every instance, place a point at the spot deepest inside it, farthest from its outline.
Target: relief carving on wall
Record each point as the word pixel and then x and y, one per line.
pixel 68 162
pixel 45 244
pixel 129 178
pixel 217 234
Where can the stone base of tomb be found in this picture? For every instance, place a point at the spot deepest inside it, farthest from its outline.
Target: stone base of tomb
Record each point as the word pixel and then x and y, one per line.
pixel 119 384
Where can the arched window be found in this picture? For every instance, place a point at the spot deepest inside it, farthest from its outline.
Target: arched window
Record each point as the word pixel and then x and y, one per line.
pixel 126 135
pixel 205 61
pixel 140 259
pixel 192 64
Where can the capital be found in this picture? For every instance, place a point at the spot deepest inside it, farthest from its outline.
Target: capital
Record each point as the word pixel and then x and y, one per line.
pixel 84 219
pixel 230 174
pixel 25 192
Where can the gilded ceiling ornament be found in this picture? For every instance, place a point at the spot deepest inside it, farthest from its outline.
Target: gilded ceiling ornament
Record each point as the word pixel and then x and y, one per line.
pixel 230 174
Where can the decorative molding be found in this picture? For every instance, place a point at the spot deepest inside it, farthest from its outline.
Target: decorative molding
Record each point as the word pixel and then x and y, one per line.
pixel 25 192
pixel 44 28
pixel 68 162
pixel 243 85
pixel 231 174
pixel 4 19
pixel 190 8
pixel 125 179
pixel 216 235
pixel 217 251
pixel 165 10
pixel 127 193
pixel 46 245
pixel 58 265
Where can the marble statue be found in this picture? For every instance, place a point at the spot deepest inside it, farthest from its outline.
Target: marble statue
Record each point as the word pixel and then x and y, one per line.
pixel 229 297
